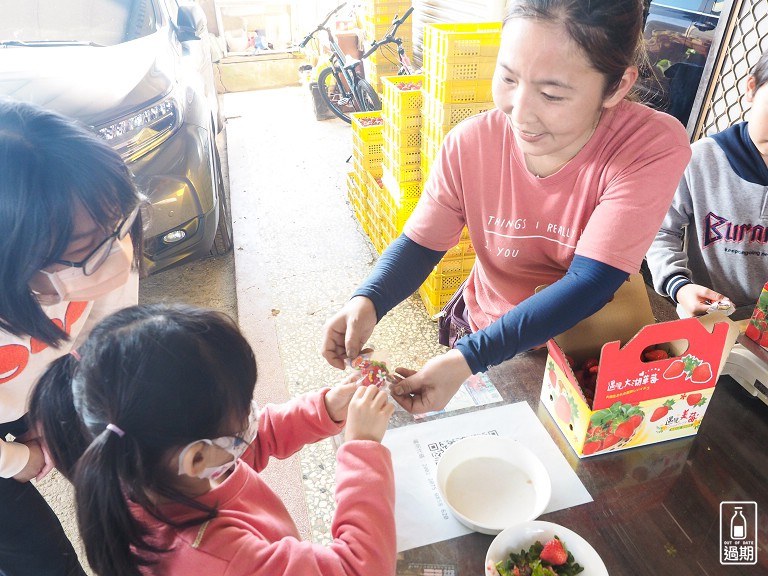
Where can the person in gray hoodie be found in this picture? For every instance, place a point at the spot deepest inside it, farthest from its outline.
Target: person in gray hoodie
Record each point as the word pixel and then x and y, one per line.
pixel 712 243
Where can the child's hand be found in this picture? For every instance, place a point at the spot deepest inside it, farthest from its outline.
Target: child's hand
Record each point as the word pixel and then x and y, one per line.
pixel 337 399
pixel 369 413
pixel 696 299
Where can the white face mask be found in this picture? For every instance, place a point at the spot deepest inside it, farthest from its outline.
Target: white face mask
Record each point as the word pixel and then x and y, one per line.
pixel 235 445
pixel 71 284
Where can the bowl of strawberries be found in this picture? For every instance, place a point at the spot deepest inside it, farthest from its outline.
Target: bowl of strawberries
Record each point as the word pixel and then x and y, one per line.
pixel 539 547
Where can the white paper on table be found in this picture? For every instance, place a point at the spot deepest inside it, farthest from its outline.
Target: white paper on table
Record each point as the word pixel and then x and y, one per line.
pixel 421 516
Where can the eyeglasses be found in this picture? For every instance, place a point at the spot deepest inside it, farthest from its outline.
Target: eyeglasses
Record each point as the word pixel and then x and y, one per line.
pixel 98 255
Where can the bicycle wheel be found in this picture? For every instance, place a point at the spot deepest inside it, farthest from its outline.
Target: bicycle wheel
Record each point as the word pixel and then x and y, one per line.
pixel 331 91
pixel 368 96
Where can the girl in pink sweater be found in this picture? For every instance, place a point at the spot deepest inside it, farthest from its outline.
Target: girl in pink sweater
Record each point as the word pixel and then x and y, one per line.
pixel 153 421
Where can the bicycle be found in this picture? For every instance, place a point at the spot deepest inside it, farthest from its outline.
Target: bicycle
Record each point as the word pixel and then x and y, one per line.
pixel 340 84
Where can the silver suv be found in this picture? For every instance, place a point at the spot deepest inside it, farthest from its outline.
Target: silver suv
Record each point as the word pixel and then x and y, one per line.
pixel 139 74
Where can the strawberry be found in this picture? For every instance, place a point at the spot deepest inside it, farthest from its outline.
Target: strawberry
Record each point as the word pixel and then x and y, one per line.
pixel 694 400
pixel 563 408
pixel 662 410
pixel 588 363
pixel 702 373
pixel 590 448
pixel 625 430
pixel 764 339
pixel 610 440
pixel 554 552
pixel 635 420
pixel 753 332
pixel 674 370
pixel 654 355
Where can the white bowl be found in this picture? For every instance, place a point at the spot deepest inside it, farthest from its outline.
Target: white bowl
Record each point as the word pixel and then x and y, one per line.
pixel 521 536
pixel 491 482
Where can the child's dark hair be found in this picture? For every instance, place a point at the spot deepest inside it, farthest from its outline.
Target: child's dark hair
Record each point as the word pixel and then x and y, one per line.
pixel 609 32
pixel 47 164
pixel 760 71
pixel 165 375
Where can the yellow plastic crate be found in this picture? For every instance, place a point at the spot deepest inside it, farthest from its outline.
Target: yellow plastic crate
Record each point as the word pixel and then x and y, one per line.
pixel 403 120
pixel 368 160
pixel 447 115
pixel 461 69
pixel 456 262
pixel 400 191
pixel 395 139
pixel 401 172
pixel 404 158
pixel 367 133
pixel 397 101
pixel 463 39
pixel 459 91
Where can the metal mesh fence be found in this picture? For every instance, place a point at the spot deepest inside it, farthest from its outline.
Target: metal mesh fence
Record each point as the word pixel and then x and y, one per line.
pixel 744 39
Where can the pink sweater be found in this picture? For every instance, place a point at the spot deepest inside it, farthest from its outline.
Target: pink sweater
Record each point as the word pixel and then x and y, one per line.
pixel 253 533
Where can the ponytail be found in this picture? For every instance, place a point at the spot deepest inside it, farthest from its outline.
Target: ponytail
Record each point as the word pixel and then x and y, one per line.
pixel 108 528
pixel 52 411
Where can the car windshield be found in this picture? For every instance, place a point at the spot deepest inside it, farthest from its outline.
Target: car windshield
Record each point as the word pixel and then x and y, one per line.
pixel 75 22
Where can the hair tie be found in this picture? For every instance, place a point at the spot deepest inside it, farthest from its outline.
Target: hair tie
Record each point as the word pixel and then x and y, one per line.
pixel 116 430
pixel 75 354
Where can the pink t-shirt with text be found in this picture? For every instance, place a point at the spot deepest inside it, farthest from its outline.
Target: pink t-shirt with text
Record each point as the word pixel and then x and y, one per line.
pixel 607 203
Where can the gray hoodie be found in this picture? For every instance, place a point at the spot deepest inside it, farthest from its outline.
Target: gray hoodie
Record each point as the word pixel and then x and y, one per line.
pixel 716 231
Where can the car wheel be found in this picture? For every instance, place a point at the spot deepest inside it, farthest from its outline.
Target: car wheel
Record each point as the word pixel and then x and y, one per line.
pixel 222 241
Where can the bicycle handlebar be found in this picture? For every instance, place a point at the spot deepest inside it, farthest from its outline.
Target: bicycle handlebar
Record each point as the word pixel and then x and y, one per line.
pixel 321 26
pixel 389 36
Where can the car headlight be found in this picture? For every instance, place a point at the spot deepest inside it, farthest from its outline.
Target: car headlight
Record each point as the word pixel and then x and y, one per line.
pixel 136 134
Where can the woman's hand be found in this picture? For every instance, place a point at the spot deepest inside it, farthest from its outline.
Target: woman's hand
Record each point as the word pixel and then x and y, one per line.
pixel 696 299
pixel 432 387
pixel 33 434
pixel 369 414
pixel 337 399
pixel 348 330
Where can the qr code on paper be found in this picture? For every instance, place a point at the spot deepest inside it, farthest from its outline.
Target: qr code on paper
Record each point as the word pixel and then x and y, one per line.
pixel 436 449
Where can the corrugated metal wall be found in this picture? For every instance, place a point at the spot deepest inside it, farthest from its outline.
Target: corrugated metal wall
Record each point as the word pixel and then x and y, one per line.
pixel 744 38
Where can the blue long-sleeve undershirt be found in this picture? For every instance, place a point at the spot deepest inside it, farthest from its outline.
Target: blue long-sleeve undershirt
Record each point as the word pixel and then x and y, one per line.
pixel 586 287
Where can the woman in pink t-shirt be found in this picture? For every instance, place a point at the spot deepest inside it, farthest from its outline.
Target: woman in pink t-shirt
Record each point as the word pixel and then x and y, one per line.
pixel 564 184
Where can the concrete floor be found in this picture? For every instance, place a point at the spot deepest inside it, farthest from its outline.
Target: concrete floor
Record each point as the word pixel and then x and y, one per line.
pixel 299 253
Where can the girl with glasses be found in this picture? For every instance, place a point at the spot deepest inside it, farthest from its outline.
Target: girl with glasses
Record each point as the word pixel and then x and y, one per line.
pixel 155 426
pixel 69 255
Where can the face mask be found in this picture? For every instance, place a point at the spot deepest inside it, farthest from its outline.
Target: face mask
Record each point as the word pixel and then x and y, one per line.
pixel 71 284
pixel 234 445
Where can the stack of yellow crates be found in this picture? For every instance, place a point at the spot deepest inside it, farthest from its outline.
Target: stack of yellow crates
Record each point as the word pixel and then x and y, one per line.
pixel 367 157
pixel 459 60
pixel 377 19
pixel 401 173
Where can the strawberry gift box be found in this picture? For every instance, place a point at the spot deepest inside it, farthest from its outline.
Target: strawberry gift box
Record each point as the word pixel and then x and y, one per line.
pixel 757 328
pixel 618 379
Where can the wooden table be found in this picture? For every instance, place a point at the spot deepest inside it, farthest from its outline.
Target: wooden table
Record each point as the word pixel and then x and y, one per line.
pixel 656 508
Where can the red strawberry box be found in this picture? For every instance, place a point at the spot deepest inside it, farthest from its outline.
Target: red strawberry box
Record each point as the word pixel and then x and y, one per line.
pixel 757 328
pixel 635 397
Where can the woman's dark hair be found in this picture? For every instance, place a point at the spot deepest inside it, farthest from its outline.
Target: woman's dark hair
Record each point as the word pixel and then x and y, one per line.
pixel 760 71
pixel 608 32
pixel 166 375
pixel 47 163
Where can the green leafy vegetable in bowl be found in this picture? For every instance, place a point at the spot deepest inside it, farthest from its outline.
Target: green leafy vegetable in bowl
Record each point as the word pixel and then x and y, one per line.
pixel 547 559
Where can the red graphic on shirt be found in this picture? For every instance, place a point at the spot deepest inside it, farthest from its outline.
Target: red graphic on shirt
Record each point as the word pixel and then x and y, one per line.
pixel 13 360
pixel 14 357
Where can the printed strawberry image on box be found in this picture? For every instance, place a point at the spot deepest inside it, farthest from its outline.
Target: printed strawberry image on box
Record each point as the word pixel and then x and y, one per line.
pixel 757 328
pixel 618 379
